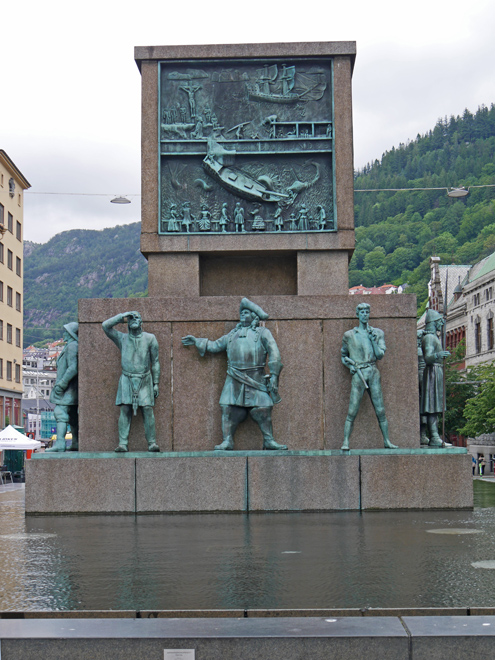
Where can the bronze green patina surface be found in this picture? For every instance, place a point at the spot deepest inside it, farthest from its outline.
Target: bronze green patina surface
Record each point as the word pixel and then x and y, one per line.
pixel 65 393
pixel 361 348
pixel 246 145
pixel 138 385
pixel 199 454
pixel 432 387
pixel 247 389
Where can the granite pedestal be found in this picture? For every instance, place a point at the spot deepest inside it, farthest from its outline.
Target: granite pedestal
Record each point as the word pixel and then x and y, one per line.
pixel 249 481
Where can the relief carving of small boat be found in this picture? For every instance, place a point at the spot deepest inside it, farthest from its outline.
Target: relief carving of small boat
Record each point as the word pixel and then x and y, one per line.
pixel 235 180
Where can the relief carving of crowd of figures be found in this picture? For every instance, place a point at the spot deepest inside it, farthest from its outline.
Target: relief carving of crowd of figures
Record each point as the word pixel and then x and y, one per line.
pixel 242 220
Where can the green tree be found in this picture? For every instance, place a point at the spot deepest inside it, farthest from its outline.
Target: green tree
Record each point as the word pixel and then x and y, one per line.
pixel 458 389
pixel 479 410
pixel 443 244
pixel 374 259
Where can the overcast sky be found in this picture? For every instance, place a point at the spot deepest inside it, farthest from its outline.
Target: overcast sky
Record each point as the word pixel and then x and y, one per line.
pixel 70 90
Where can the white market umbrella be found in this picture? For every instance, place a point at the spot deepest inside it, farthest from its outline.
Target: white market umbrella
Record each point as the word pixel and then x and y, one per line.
pixel 10 438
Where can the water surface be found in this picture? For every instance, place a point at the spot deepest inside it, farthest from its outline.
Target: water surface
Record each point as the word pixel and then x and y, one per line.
pixel 218 561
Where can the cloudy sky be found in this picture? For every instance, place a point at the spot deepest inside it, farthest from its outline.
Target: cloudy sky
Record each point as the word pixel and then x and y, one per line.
pixel 70 90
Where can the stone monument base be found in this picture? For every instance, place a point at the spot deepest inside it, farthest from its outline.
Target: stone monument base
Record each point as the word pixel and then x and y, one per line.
pixel 248 481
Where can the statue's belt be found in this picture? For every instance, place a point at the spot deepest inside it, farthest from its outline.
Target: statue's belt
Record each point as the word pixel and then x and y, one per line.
pixel 135 386
pixel 241 376
pixel 363 365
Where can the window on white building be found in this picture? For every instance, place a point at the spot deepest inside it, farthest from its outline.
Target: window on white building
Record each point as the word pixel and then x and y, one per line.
pixel 477 337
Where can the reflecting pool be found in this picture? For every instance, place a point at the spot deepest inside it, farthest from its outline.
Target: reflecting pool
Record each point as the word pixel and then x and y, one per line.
pixel 315 560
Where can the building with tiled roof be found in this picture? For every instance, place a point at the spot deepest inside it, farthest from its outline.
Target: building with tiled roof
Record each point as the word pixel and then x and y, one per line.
pixel 374 290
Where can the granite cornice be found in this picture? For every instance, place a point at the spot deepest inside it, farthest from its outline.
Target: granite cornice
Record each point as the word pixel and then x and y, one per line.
pixel 229 51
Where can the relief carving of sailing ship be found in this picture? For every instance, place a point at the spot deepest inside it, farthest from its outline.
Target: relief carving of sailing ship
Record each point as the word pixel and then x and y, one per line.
pixel 286 86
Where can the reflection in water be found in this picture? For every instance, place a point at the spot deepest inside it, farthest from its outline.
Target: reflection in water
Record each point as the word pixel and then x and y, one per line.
pixel 484 493
pixel 332 560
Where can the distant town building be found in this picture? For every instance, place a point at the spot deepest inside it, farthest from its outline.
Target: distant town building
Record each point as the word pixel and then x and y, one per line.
pixel 39 373
pixel 42 425
pixel 12 187
pixel 376 290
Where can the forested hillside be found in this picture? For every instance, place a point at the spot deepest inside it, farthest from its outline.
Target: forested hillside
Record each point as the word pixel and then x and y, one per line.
pixel 396 232
pixel 75 264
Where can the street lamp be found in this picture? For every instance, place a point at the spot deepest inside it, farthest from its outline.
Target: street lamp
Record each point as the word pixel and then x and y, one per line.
pixel 120 200
pixel 458 192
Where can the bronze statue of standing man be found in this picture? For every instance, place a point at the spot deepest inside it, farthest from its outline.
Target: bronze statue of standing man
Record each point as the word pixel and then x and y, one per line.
pixel 138 384
pixel 432 401
pixel 247 389
pixel 65 393
pixel 361 348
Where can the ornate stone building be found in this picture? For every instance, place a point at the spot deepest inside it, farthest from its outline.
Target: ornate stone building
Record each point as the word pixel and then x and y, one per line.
pixel 478 295
pixel 469 292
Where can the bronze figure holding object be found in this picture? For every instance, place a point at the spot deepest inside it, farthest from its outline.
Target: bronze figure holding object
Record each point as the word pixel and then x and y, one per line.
pixel 247 389
pixel 361 348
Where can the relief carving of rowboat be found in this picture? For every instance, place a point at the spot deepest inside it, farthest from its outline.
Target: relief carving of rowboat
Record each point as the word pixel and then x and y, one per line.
pixel 235 180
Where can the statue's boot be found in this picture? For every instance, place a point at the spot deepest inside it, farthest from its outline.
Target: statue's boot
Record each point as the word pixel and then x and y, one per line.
pixel 59 445
pixel 270 443
pixel 388 445
pixel 423 431
pixel 349 423
pixel 152 446
pixel 122 447
pixel 231 418
pixel 226 445
pixel 436 441
pixel 263 417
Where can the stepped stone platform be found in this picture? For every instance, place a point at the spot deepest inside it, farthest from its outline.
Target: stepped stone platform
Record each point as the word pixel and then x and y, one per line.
pixel 248 481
